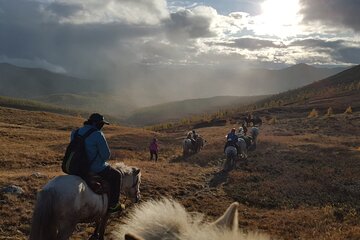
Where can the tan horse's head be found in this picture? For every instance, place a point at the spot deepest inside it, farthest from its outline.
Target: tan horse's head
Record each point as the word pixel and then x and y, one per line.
pixel 130 184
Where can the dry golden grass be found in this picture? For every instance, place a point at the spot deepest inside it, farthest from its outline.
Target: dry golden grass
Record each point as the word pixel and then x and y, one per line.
pixel 348 110
pixel 302 182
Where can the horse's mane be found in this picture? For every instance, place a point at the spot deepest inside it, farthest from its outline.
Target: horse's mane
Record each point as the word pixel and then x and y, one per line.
pixel 122 167
pixel 163 219
pixel 168 219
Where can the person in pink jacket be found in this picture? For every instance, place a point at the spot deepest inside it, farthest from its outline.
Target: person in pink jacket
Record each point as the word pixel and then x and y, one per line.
pixel 154 148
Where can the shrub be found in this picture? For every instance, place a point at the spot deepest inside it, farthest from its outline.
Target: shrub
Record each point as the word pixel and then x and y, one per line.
pixel 329 112
pixel 313 113
pixel 272 121
pixel 348 110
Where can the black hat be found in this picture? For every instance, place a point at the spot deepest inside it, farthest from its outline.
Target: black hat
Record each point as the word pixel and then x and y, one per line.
pixel 97 118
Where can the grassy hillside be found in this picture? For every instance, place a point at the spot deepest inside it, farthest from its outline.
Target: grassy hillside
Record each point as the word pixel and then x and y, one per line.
pixel 345 83
pixel 275 81
pixel 36 106
pixel 91 102
pixel 31 105
pixel 181 109
pixel 31 82
pixel 337 92
pixel 61 91
pixel 284 189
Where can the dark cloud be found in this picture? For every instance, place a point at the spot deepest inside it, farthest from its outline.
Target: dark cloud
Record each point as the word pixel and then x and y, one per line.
pixel 251 43
pixel 349 55
pixel 333 12
pixel 20 12
pixel 79 48
pixel 191 24
pixel 64 9
pixel 337 49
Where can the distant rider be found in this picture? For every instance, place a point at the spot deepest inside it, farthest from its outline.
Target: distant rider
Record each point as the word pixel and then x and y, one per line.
pixel 231 140
pixel 192 136
pixel 241 134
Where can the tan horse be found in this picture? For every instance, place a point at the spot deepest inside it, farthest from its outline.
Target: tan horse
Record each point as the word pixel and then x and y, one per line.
pixel 67 200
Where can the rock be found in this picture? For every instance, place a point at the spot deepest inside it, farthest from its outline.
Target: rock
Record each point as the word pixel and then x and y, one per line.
pixel 13 189
pixel 37 175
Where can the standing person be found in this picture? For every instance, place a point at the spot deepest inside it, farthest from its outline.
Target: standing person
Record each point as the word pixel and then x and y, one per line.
pixel 194 135
pixel 98 153
pixel 243 125
pixel 154 148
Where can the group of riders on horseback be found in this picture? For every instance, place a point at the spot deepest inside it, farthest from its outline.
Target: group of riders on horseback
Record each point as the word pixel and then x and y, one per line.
pixel 86 157
pixel 239 143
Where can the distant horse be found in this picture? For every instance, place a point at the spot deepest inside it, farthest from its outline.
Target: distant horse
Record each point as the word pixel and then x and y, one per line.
pixel 231 157
pixel 242 146
pixel 167 219
pixel 254 121
pixel 67 200
pixel 247 120
pixel 199 143
pixel 189 147
pixel 254 133
pixel 235 153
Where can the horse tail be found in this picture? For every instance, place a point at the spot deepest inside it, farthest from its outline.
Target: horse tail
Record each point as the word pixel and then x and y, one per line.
pixel 43 227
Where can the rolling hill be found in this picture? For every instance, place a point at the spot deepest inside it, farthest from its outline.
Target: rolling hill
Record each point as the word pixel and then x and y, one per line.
pixel 181 109
pixel 23 82
pixel 94 95
pixel 101 102
pixel 61 91
pixel 338 91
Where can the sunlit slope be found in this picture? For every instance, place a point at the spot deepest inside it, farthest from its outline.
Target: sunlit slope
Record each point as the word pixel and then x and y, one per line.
pixel 338 91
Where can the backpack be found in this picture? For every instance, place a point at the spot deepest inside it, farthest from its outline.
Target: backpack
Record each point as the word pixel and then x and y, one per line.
pixel 75 161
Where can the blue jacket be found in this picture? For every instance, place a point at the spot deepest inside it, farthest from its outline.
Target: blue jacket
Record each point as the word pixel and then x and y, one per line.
pixel 232 137
pixel 96 148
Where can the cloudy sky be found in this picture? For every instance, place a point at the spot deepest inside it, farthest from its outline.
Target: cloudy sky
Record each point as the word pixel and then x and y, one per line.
pixel 133 40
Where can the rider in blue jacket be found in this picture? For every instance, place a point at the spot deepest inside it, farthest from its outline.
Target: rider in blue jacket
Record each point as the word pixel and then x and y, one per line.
pixel 98 153
pixel 231 139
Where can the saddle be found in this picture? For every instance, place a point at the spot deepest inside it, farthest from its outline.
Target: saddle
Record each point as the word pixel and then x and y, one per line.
pixel 97 184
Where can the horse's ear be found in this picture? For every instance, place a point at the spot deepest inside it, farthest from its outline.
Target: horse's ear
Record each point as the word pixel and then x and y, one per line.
pixel 136 171
pixel 130 236
pixel 230 218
